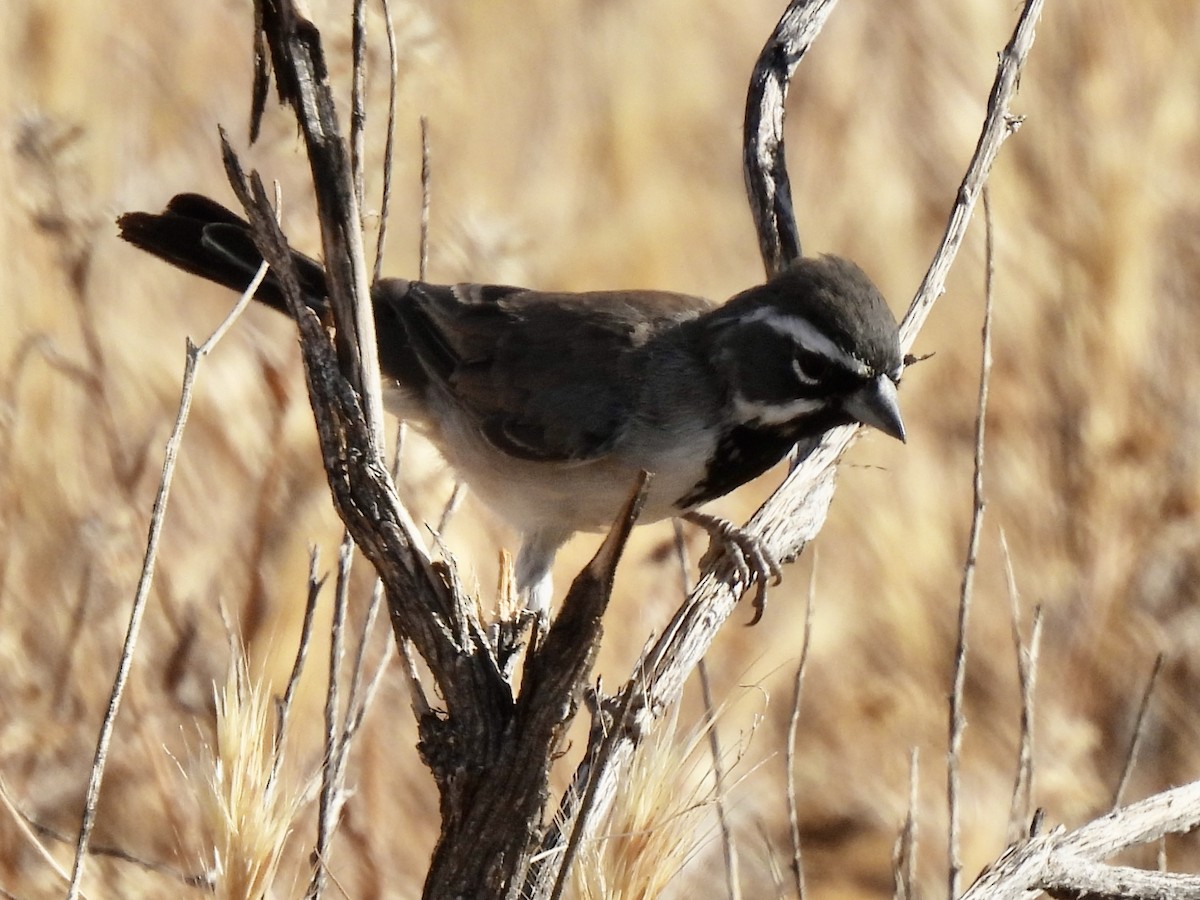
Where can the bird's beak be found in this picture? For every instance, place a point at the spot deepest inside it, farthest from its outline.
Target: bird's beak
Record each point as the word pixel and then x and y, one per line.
pixel 875 404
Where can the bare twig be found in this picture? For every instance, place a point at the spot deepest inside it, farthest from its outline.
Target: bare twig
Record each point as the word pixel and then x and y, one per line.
pixel 332 772
pixel 356 702
pixel 957 719
pixel 1027 659
pixel 27 830
pixel 301 76
pixel 764 164
pixel 389 147
pixel 33 829
pixel 793 725
pixel 1139 731
pixel 356 710
pixel 904 854
pixel 733 888
pixel 773 865
pixel 195 355
pixel 451 507
pixel 1068 876
pixel 358 105
pixel 588 800
pixel 284 706
pixel 416 690
pixel 1048 861
pixel 728 847
pixel 426 194
pixel 998 124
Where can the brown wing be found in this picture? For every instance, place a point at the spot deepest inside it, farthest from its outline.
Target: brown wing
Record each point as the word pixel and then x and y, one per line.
pixel 545 376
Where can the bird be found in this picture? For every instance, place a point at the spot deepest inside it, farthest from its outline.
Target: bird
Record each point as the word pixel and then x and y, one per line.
pixel 549 405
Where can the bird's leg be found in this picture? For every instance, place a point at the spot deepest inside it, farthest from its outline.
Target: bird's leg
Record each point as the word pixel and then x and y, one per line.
pixel 535 585
pixel 746 552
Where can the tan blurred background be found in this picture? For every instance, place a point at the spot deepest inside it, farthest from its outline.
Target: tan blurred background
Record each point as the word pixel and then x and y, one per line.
pixel 585 144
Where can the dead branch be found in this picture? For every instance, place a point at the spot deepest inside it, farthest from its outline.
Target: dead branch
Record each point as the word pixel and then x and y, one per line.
pixel 1069 863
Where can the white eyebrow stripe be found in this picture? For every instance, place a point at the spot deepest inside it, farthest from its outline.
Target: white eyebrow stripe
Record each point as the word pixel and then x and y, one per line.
pixel 804 333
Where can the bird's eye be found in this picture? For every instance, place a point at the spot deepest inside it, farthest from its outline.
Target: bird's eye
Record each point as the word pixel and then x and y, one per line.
pixel 811 368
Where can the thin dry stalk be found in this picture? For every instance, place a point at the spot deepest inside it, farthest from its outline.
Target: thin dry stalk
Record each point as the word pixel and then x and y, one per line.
pixel 588 798
pixel 1020 808
pixel 1139 731
pixel 389 147
pixel 26 829
pixel 733 888
pixel 998 125
pixel 416 690
pixel 958 720
pixel 426 194
pixel 773 866
pixel 358 105
pixel 729 852
pixel 283 706
pixel 793 726
pixel 451 507
pixel 195 355
pixel 904 853
pixel 332 773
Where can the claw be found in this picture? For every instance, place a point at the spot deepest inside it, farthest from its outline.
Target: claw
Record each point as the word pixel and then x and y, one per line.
pixel 747 554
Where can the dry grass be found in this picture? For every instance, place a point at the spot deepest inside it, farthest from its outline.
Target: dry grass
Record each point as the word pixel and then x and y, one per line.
pixel 663 814
pixel 585 144
pixel 248 806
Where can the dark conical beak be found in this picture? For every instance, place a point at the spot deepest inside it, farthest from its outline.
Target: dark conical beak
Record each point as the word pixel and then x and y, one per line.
pixel 875 404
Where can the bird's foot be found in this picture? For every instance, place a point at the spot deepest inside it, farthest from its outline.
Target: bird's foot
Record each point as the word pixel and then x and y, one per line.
pixel 747 553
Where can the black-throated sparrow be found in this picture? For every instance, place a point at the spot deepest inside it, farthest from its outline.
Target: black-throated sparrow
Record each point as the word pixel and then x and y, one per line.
pixel 548 405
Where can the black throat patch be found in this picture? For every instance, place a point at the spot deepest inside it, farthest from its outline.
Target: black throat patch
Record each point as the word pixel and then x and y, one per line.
pixel 746 451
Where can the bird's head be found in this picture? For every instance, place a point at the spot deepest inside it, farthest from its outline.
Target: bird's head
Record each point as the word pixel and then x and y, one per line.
pixel 814 347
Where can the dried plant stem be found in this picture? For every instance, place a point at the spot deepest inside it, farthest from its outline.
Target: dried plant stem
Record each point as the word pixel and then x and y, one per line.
pixel 793 727
pixel 426 193
pixel 23 825
pixel 1069 863
pixel 1139 730
pixel 728 847
pixel 358 104
pixel 957 719
pixel 389 147
pixel 284 705
pixel 1020 808
pixel 733 888
pixel 195 355
pixel 998 124
pixel 772 858
pixel 904 855
pixel 331 772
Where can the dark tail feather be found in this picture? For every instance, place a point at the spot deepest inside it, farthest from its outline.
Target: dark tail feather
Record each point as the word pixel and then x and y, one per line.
pixel 201 236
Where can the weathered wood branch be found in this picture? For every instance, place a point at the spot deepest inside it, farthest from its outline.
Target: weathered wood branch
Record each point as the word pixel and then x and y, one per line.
pixel 763 160
pixel 1070 863
pixel 491 825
